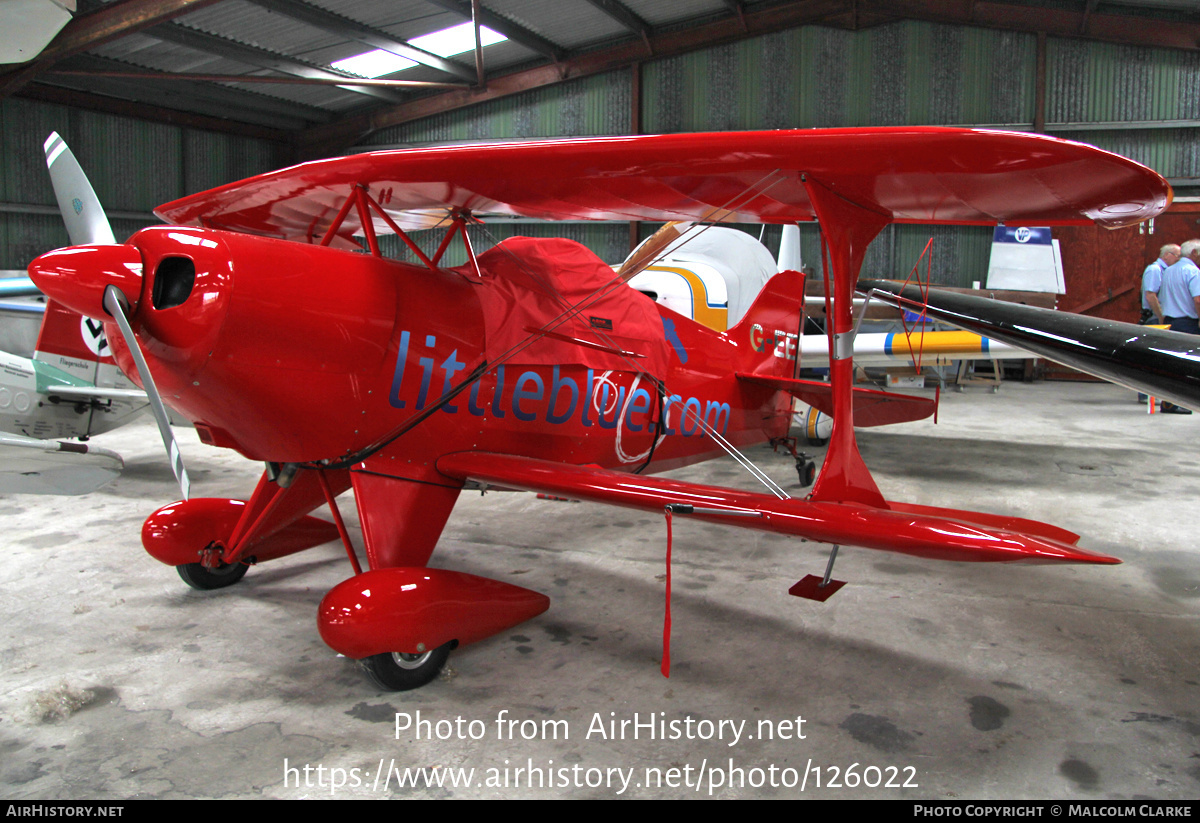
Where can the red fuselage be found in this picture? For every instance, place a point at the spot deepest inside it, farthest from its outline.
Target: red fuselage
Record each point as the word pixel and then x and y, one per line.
pixel 293 353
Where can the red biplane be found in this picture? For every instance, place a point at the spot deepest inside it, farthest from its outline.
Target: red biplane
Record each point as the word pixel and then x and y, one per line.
pixel 533 366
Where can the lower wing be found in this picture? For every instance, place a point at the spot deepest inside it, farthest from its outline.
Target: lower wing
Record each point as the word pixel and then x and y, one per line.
pixel 923 531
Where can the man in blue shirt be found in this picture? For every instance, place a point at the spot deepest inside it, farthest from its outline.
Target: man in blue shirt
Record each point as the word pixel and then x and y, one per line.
pixel 1168 255
pixel 1179 294
pixel 1179 297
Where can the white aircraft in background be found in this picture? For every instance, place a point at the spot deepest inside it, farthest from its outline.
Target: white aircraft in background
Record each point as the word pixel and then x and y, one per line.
pixel 71 388
pixel 30 25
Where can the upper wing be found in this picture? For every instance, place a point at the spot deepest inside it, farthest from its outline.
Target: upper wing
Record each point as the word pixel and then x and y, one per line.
pixel 1165 364
pixel 30 466
pixel 924 531
pixel 921 175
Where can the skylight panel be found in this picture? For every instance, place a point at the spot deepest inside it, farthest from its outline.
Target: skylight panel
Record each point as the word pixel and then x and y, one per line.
pixel 373 64
pixel 445 43
pixel 456 39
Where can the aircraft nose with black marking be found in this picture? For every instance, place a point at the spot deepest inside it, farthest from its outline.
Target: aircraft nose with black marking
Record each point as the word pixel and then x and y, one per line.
pixel 175 282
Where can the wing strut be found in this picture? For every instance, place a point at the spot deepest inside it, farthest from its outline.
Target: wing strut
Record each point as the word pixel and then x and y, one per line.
pixel 847 229
pixel 364 203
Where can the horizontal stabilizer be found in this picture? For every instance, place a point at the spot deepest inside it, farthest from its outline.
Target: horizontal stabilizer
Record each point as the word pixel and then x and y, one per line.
pixel 1165 364
pixel 922 531
pixel 871 406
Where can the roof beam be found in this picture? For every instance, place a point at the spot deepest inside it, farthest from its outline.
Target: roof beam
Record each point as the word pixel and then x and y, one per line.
pixel 1087 12
pixel 88 31
pixel 214 99
pixel 739 11
pixel 518 34
pixel 262 58
pixel 374 38
pixel 624 16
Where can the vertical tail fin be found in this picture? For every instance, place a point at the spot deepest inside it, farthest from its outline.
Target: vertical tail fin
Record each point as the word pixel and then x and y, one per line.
pixel 772 326
pixel 789 248
pixel 72 343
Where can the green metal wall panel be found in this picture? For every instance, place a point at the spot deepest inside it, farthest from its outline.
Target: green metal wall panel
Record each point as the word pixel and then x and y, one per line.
pixel 134 166
pixel 588 106
pixel 815 77
pixel 24 127
pixel 1170 152
pixel 211 159
pixel 1089 82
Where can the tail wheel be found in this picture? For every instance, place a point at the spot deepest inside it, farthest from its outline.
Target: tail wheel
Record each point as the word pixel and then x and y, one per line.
pixel 400 672
pixel 199 576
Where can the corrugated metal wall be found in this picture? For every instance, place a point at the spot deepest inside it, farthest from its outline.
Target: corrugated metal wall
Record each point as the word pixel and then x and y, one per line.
pixel 908 73
pixel 813 77
pixel 134 166
pixel 1157 91
pixel 593 105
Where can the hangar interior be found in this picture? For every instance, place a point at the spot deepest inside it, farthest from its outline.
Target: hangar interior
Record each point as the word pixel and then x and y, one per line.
pixel 966 680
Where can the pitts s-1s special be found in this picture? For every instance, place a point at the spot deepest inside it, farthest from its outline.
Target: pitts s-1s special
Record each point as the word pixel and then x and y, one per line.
pixel 264 320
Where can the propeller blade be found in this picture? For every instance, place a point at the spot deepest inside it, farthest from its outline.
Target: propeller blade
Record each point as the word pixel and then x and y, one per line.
pixel 81 209
pixel 114 303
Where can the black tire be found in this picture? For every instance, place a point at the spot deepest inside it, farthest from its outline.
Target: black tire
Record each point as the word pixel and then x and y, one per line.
pixel 205 579
pixel 808 473
pixel 396 672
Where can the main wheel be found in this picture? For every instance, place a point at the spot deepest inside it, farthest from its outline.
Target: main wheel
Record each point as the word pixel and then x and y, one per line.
pixel 199 576
pixel 399 672
pixel 807 470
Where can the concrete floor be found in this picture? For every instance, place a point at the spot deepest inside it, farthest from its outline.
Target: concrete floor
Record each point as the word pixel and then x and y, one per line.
pixel 961 680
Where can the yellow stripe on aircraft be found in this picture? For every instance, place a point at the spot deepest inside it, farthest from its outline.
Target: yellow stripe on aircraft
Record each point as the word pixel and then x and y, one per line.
pixel 935 343
pixel 715 317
